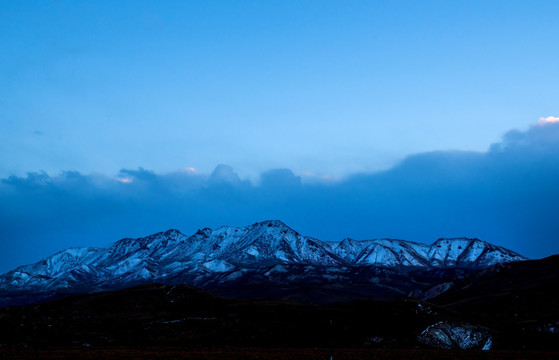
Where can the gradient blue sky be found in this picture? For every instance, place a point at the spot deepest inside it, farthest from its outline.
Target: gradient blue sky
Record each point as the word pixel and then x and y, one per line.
pixel 325 87
pixel 331 90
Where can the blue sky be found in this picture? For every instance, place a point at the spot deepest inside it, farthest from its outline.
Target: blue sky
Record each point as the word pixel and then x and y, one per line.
pixel 316 86
pixel 328 91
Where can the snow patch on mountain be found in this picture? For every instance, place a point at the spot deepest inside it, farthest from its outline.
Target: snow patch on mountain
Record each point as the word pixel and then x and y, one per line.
pixel 450 335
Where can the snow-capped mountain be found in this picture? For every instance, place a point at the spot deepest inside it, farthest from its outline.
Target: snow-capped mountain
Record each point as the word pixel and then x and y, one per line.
pixel 266 251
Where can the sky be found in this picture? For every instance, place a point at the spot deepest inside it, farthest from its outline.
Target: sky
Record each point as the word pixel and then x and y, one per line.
pixel 405 119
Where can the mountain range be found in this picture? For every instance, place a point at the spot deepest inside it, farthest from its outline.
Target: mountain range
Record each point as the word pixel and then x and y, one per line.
pixel 266 259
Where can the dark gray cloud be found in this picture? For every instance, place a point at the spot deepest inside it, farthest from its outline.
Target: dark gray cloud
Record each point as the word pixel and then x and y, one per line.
pixel 508 195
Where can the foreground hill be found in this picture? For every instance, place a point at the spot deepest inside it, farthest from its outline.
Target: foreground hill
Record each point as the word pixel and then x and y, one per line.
pixel 160 315
pixel 520 300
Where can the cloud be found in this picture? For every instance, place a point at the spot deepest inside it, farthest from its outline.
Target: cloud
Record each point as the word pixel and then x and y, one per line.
pixel 224 174
pixel 279 179
pixel 507 195
pixel 544 139
pixel 548 120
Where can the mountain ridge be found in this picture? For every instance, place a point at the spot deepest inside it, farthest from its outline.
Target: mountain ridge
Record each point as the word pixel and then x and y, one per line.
pixel 227 255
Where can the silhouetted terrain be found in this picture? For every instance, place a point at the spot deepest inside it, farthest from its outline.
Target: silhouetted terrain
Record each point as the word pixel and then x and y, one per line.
pixel 520 300
pixel 512 307
pixel 185 316
pixel 170 353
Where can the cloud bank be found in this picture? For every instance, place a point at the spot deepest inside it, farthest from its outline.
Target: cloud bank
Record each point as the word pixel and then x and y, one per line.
pixel 508 195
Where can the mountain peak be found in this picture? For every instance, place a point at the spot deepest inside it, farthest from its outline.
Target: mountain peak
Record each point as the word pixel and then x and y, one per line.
pixel 172 232
pixel 462 238
pixel 271 223
pixel 205 232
